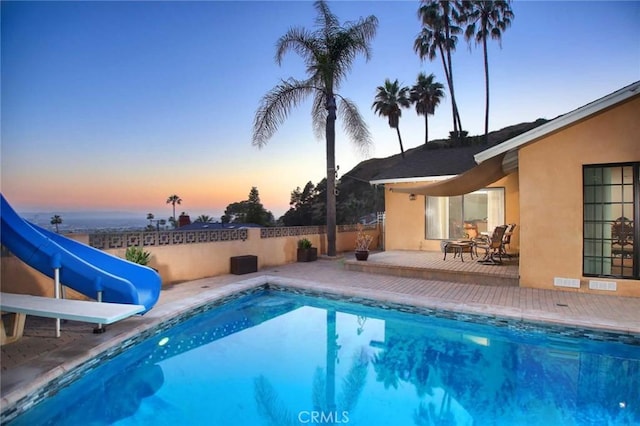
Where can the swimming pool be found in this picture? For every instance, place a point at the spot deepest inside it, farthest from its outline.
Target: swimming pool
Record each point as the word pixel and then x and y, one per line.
pixel 277 358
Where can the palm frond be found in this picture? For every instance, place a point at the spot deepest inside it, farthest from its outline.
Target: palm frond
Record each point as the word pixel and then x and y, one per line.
pixel 325 20
pixel 299 40
pixel 275 106
pixel 354 125
pixel 270 407
pixel 355 380
pixel 318 392
pixel 319 115
pixel 353 39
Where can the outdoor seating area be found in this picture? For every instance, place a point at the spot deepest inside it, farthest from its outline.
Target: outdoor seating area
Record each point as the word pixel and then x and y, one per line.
pixel 429 265
pixel 494 245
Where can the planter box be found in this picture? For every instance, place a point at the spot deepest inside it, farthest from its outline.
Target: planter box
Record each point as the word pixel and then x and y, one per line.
pixel 362 255
pixel 244 264
pixel 307 255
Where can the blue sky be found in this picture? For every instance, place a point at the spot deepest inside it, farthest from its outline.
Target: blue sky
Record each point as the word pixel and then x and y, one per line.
pixel 116 105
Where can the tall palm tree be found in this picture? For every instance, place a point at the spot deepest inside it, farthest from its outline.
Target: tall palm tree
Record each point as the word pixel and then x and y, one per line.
pixel 426 94
pixel 56 220
pixel 389 100
pixel 328 52
pixel 173 200
pixel 484 19
pixel 439 36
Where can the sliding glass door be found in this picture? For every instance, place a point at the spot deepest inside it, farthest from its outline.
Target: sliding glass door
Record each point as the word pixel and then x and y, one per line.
pixel 464 216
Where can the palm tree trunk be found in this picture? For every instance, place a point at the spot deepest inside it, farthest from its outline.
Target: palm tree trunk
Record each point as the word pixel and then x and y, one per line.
pixel 400 140
pixel 446 74
pixel 426 128
pixel 453 96
pixel 447 14
pixel 331 175
pixel 330 390
pixel 486 86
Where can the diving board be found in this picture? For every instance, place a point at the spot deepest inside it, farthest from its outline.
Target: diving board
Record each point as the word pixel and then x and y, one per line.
pixel 74 310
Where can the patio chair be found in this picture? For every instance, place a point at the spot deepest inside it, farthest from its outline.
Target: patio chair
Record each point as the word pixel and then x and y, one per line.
pixel 506 240
pixel 492 246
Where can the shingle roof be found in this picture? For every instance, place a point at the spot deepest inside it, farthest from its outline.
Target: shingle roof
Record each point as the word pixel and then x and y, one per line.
pixel 438 158
pixel 423 162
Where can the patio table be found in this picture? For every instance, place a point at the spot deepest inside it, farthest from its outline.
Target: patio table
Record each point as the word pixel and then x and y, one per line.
pixel 458 248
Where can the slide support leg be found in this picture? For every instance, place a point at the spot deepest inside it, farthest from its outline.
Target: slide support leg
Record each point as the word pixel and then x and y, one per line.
pixel 56 290
pixel 99 328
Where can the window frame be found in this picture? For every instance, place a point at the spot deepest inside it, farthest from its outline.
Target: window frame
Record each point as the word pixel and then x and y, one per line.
pixel 606 241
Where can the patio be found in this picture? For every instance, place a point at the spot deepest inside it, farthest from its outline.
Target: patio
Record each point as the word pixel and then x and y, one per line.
pixel 429 265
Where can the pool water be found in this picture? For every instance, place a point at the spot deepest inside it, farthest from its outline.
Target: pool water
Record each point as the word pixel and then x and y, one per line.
pixel 274 358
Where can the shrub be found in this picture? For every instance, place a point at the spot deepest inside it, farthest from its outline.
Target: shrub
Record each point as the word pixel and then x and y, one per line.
pixel 304 243
pixel 362 240
pixel 137 255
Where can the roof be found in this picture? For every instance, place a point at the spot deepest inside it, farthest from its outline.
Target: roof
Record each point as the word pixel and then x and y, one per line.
pixel 437 159
pixel 430 163
pixel 475 178
pixel 561 122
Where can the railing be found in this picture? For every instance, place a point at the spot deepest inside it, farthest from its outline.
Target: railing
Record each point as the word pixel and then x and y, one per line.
pixel 104 241
pixel 108 240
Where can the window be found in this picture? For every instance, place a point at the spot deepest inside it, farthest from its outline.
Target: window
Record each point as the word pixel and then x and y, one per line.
pixel 611 200
pixel 465 215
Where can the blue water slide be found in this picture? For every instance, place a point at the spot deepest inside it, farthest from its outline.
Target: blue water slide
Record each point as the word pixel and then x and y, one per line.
pixel 82 268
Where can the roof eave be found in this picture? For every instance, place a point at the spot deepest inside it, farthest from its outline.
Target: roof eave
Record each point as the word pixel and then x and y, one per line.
pixel 410 179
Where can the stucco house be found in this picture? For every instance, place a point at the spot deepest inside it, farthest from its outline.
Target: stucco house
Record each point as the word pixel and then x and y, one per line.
pixel 571 185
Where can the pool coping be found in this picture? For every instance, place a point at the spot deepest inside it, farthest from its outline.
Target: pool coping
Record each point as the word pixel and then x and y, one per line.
pixel 25 396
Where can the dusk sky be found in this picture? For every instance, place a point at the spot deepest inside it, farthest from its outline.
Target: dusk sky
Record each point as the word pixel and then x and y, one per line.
pixel 117 105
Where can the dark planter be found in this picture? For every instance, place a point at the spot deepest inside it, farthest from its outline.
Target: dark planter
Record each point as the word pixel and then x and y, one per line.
pixel 362 255
pixel 244 264
pixel 308 254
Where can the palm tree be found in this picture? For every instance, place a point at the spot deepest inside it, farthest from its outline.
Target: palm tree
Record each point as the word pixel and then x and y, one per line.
pixel 204 218
pixel 389 100
pixel 484 19
pixel 426 94
pixel 56 220
pixel 328 52
pixel 174 199
pixel 439 35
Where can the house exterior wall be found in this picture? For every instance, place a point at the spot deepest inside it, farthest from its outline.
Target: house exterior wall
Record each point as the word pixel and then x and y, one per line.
pixel 405 219
pixel 551 200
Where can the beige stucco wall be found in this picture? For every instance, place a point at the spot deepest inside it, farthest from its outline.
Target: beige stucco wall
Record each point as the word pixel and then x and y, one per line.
pixel 405 219
pixel 185 262
pixel 551 200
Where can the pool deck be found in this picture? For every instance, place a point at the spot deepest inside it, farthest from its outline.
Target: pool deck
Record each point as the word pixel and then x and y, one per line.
pixel 399 277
